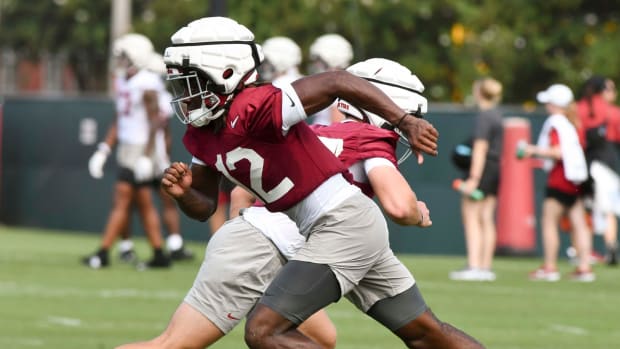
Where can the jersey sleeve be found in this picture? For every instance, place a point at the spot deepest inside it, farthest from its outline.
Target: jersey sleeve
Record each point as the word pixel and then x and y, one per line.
pixel 378 143
pixel 292 109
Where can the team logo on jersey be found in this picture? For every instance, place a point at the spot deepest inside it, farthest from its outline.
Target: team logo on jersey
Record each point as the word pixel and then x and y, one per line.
pixel 234 122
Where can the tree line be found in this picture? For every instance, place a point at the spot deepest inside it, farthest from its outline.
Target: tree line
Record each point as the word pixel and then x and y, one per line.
pixel 525 44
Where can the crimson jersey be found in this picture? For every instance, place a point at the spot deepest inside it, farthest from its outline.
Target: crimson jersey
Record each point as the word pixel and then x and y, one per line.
pixel 252 151
pixel 352 142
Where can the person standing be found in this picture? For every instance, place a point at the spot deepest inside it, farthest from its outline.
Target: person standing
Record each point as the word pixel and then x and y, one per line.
pixel 598 116
pixel 560 145
pixel 478 215
pixel 136 123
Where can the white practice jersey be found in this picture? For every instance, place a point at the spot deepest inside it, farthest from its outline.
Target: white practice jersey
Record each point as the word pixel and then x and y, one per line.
pixel 133 123
pixel 165 111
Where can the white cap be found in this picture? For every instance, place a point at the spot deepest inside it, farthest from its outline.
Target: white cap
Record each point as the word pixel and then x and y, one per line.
pixel 557 94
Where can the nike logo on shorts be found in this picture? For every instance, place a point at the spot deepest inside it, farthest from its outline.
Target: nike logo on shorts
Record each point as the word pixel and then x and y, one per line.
pixel 230 316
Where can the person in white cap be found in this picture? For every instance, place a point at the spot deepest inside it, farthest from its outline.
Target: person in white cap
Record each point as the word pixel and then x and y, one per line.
pixel 560 146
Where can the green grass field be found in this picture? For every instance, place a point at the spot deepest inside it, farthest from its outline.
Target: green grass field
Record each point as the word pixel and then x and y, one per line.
pixel 49 300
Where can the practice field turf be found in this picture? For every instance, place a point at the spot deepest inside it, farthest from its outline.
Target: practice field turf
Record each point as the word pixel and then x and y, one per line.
pixel 49 300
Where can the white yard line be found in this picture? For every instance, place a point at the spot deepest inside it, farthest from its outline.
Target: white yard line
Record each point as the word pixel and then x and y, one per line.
pixel 64 321
pixel 578 331
pixel 14 289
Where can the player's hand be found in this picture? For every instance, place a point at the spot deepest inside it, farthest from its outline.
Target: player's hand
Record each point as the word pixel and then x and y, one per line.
pixel 97 160
pixel 426 215
pixel 143 169
pixel 422 136
pixel 177 179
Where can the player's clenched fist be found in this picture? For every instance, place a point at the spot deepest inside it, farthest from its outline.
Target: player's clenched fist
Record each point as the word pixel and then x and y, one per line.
pixel 177 179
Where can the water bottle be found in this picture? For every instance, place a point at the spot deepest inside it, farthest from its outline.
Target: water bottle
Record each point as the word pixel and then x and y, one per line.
pixel 521 145
pixel 477 194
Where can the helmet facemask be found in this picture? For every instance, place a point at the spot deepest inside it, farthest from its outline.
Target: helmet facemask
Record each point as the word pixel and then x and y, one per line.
pixel 193 102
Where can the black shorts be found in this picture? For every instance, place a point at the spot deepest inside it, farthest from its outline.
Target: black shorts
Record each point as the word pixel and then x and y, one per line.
pixel 126 175
pixel 566 199
pixel 489 181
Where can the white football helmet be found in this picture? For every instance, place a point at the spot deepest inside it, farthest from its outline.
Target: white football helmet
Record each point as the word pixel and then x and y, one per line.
pixel 137 48
pixel 281 56
pixel 210 58
pixel 330 52
pixel 397 82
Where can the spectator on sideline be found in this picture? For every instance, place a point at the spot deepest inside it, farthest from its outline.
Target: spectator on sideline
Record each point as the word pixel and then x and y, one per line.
pixel 599 118
pixel 136 122
pixel 483 174
pixel 561 147
pixel 329 52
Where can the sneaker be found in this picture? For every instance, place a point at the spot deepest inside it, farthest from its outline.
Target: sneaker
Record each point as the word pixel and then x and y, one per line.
pixel 158 262
pixel 543 274
pixel 469 274
pixel 596 258
pixel 128 256
pixel 487 275
pixel 181 254
pixel 97 260
pixel 611 257
pixel 582 275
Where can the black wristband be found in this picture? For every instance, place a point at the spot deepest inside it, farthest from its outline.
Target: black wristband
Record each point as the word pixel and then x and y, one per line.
pixel 401 119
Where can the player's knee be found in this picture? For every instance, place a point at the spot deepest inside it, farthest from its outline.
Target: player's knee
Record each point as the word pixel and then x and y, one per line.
pixel 257 331
pixel 418 333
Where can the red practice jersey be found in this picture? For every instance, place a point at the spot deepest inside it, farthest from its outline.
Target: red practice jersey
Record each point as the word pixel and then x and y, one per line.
pixel 352 142
pixel 252 151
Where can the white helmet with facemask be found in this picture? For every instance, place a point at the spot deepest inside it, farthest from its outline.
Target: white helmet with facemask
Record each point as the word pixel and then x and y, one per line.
pixel 397 82
pixel 210 58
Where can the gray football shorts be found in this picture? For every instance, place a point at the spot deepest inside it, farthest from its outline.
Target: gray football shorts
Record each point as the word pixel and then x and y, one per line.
pixel 239 264
pixel 353 241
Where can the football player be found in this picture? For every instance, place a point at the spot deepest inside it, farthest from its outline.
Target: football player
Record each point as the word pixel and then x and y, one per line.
pixel 254 136
pixel 137 120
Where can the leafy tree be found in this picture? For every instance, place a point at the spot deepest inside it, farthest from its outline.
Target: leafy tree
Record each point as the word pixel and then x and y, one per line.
pixel 525 44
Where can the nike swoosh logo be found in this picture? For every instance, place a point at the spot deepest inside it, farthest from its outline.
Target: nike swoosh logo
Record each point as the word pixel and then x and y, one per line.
pixel 290 99
pixel 229 315
pixel 234 122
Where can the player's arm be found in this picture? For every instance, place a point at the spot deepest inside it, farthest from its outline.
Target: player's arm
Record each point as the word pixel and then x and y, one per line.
pixel 320 90
pixel 195 189
pixel 395 195
pixel 100 156
pixel 554 152
pixel 240 198
pixel 151 105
